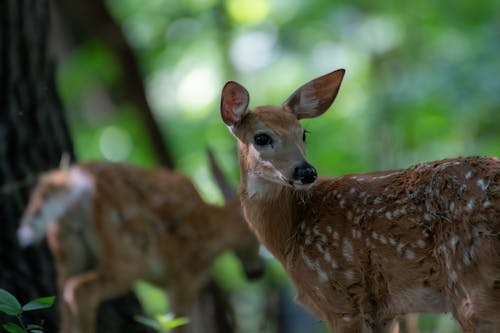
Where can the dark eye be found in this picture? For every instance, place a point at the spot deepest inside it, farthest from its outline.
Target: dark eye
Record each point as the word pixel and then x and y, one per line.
pixel 262 139
pixel 304 135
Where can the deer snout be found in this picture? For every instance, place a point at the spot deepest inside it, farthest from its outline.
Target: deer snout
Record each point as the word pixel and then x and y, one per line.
pixel 305 173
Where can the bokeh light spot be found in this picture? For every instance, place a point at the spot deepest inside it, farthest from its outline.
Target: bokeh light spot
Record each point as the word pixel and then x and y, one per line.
pixel 115 143
pixel 248 11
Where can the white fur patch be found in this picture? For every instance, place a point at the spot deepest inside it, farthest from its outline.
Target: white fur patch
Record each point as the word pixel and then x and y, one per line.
pixel 32 229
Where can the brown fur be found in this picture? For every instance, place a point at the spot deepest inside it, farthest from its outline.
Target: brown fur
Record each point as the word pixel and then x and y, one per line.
pixel 136 224
pixel 363 249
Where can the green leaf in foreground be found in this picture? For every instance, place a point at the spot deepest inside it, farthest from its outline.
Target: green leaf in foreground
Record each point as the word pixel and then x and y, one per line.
pixel 148 322
pixel 39 303
pixel 13 328
pixel 33 327
pixel 168 322
pixel 9 304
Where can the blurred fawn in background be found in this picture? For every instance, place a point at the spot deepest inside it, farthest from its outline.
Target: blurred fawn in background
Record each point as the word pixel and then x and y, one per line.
pixel 110 224
pixel 364 248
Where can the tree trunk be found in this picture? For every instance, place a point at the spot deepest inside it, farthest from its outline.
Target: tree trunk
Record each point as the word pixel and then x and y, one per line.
pixel 33 138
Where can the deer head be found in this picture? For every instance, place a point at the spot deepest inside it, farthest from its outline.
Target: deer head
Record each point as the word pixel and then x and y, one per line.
pixel 271 138
pixel 56 191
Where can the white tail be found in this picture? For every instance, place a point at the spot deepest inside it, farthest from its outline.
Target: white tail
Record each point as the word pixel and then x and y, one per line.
pixel 115 224
pixel 364 248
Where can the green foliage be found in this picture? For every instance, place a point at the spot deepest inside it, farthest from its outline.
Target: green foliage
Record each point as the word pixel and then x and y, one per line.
pixel 9 305
pixel 421 83
pixel 162 323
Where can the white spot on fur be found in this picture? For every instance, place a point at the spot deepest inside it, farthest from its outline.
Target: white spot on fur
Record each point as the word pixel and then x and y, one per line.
pixel 382 239
pixel 335 235
pixel 356 233
pixel 392 241
pixel 349 274
pixel 467 258
pixel 347 250
pixel 421 243
pixel 453 276
pixel 385 176
pixel 468 175
pixel 388 215
pixel 328 258
pixel 409 254
pixel 316 230
pixel 470 205
pixel 334 264
pixel 440 249
pixel 486 204
pixel 319 248
pixel 329 229
pixel 322 275
pixel 482 185
pixel 453 242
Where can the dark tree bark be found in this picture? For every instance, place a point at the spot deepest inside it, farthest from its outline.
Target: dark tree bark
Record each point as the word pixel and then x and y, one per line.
pixel 33 138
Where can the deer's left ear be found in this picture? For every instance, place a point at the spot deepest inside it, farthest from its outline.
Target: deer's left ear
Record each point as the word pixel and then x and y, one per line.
pixel 234 103
pixel 316 96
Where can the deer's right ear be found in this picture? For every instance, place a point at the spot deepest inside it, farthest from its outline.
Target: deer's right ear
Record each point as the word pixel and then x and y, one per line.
pixel 234 103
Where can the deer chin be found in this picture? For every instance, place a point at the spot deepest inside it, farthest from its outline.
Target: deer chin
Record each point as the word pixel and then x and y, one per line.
pixel 262 186
pixel 299 186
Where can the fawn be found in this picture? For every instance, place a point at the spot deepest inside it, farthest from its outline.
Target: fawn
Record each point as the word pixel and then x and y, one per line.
pixel 364 248
pixel 116 223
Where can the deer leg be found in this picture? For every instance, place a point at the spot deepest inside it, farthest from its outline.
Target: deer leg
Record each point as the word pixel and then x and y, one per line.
pixel 182 297
pixel 65 247
pixel 83 294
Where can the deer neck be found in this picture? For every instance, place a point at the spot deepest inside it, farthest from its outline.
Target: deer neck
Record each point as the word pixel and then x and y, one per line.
pixel 224 225
pixel 273 212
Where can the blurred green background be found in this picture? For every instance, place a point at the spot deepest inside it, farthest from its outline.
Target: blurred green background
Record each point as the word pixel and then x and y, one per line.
pixel 422 83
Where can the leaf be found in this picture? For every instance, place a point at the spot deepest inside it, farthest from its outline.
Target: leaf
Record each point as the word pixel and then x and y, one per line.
pixel 9 304
pixel 148 322
pixel 33 327
pixel 39 303
pixel 168 322
pixel 13 328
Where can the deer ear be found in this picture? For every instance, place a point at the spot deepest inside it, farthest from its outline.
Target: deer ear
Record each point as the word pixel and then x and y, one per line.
pixel 316 96
pixel 234 103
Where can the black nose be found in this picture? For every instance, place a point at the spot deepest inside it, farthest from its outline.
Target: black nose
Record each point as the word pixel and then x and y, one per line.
pixel 305 173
